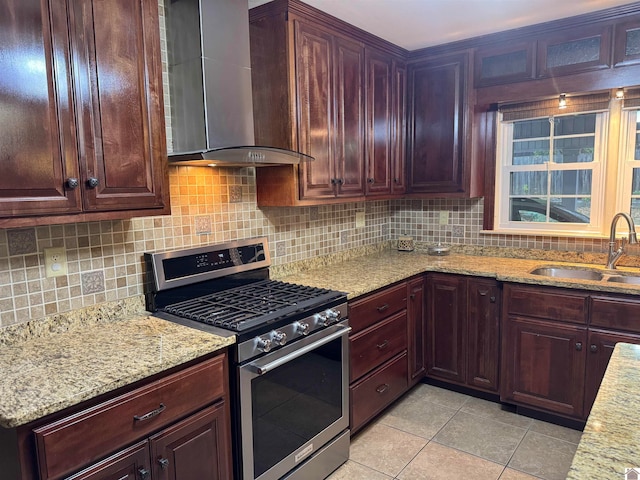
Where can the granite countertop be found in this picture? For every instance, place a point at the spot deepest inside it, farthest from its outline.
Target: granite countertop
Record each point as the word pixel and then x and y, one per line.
pixel 611 437
pixel 361 275
pixel 48 373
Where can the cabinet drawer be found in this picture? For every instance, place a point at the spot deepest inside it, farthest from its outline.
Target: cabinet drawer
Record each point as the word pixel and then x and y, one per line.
pixel 375 345
pixel 621 314
pixel 371 395
pixel 72 442
pixel 538 302
pixel 373 308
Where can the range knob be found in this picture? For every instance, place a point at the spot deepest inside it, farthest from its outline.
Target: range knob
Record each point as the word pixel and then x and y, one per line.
pixel 278 337
pixel 302 328
pixel 334 315
pixel 322 319
pixel 263 344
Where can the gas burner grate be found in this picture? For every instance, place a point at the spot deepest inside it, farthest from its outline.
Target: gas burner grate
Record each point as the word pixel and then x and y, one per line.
pixel 252 305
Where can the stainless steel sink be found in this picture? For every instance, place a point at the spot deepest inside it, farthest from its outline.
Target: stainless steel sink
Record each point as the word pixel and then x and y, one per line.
pixel 567 272
pixel 635 280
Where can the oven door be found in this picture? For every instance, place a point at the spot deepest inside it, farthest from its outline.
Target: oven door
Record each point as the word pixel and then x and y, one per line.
pixel 294 401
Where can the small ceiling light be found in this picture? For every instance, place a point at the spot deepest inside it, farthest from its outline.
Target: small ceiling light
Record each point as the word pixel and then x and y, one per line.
pixel 212 165
pixel 620 93
pixel 562 101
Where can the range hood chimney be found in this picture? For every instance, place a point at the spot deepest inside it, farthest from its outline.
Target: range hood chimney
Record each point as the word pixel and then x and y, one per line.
pixel 210 87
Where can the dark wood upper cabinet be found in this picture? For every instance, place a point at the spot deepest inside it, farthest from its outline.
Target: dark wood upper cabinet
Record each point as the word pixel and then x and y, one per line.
pixel 85 140
pixel 626 46
pixel 574 51
pixel 503 63
pixel 439 118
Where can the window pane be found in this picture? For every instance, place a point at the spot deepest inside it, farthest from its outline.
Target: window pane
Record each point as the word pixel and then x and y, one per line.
pixel 635 182
pixel 528 183
pixel 575 124
pixel 537 128
pixel 637 149
pixel 530 152
pixel 573 150
pixel 528 210
pixel 570 210
pixel 571 182
pixel 571 53
pixel 635 209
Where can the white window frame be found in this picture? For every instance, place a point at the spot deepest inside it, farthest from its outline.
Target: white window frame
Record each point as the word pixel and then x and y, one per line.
pixel 502 185
pixel 627 159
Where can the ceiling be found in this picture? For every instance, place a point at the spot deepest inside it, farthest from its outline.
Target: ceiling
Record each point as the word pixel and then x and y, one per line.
pixel 414 24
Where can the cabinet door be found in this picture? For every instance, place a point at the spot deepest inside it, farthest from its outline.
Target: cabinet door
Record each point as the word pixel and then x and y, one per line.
pixel 198 447
pixel 349 117
pixel 38 139
pixel 399 115
pixel 626 48
pixel 379 113
pixel 506 63
pixel 314 72
pixel 601 345
pixel 446 327
pixel 119 103
pixel 130 464
pixel 417 324
pixel 483 344
pixel 437 125
pixel 543 365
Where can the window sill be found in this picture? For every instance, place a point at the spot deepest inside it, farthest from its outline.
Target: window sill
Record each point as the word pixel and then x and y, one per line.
pixel 538 233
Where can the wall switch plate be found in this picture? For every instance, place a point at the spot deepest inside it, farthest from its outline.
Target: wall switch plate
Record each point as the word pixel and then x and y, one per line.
pixel 444 217
pixel 360 219
pixel 55 262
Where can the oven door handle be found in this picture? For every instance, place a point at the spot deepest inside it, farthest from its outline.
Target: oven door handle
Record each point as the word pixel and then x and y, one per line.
pixel 262 369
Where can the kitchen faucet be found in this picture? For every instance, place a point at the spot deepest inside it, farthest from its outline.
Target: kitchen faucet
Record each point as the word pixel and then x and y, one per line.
pixel 615 254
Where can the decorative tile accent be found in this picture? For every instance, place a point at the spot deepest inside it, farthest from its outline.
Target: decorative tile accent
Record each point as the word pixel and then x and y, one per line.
pixel 344 237
pixel 457 231
pixel 281 249
pixel 202 225
pixel 22 241
pixel 314 214
pixel 235 193
pixel 92 282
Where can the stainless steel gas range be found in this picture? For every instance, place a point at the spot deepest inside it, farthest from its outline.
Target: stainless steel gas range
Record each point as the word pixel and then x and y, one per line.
pixel 289 373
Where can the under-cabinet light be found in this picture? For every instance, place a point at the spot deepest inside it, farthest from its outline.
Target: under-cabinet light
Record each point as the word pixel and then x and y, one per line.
pixel 562 101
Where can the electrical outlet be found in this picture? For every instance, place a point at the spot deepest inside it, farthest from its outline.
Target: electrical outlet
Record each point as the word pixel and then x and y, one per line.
pixel 55 262
pixel 360 219
pixel 444 217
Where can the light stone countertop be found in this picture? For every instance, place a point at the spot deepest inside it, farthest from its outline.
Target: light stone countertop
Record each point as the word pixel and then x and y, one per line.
pixel 611 438
pixel 361 275
pixel 45 374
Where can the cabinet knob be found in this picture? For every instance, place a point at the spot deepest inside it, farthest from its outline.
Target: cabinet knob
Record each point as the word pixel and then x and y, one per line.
pixel 492 299
pixel 72 183
pixel 395 180
pixel 143 474
pixel 339 181
pixel 579 346
pixel 93 182
pixel 370 180
pixel 333 181
pixel 593 348
pixel 164 463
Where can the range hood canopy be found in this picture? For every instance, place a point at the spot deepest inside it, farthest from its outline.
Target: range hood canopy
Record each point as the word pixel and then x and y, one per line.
pixel 210 87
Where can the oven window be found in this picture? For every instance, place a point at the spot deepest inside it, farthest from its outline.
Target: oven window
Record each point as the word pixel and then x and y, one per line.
pixel 295 402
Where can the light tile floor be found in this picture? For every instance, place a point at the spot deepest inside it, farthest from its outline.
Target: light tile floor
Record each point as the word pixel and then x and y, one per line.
pixel 433 433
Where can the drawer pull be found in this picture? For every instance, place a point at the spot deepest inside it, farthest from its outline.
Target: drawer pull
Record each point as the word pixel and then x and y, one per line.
pixel 143 473
pixel 383 345
pixel 382 308
pixel 382 388
pixel 164 463
pixel 151 414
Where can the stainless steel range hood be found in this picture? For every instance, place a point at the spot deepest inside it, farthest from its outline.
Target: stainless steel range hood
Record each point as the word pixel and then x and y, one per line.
pixel 210 87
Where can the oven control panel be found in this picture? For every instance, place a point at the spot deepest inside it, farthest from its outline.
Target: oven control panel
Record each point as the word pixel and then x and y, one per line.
pixel 281 336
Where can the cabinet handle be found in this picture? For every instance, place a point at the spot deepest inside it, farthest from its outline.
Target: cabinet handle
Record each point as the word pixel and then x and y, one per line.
pixel 151 414
pixel 579 346
pixel 383 345
pixel 382 388
pixel 492 299
pixel 164 463
pixel 72 183
pixel 144 474
pixel 93 182
pixel 593 348
pixel 382 308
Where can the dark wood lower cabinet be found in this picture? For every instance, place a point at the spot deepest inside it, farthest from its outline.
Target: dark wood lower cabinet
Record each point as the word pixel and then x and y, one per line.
pixel 463 330
pixel 130 464
pixel 417 325
pixel 544 365
pixel 193 449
